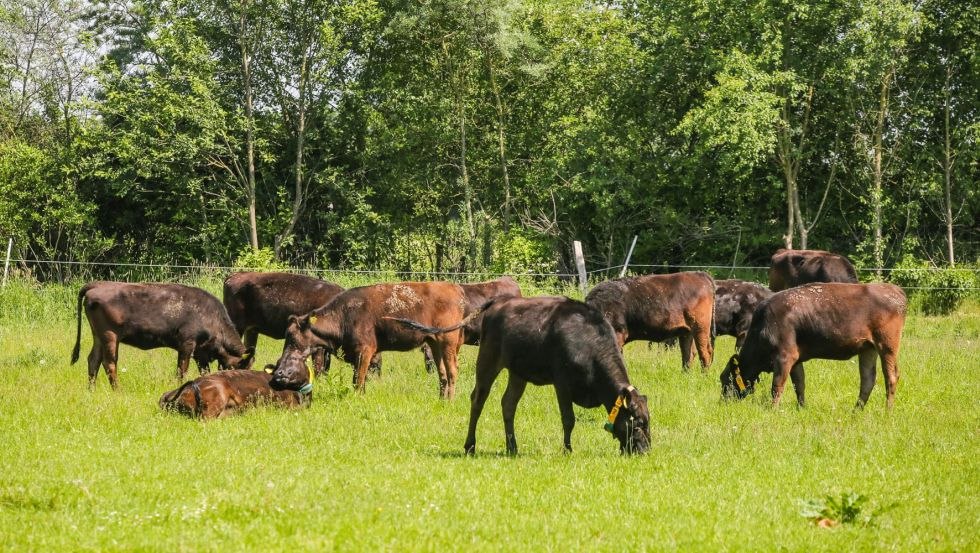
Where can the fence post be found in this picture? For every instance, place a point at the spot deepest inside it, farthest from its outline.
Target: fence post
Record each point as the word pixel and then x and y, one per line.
pixel 583 280
pixel 626 263
pixel 6 264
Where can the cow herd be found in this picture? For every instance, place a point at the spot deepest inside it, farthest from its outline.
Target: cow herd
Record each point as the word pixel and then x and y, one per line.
pixel 813 308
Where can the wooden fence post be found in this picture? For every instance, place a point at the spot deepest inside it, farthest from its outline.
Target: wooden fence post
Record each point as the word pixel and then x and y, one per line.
pixel 583 279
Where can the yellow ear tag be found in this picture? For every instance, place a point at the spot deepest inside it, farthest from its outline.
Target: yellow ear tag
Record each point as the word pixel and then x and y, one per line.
pixel 739 382
pixel 268 370
pixel 247 355
pixel 312 319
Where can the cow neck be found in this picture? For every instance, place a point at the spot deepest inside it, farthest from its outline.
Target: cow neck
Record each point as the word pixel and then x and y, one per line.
pixel 609 390
pixel 327 326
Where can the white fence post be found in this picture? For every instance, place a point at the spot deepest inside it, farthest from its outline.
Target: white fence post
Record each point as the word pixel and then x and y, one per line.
pixel 626 263
pixel 6 264
pixel 583 280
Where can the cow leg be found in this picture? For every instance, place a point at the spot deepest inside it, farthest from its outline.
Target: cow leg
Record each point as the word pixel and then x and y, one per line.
pixel 184 354
pixel 799 383
pixel 687 350
pixel 889 369
pixel 441 368
pixel 508 405
pixel 450 360
pixel 250 338
pixel 705 346
pixel 779 377
pixel 375 366
pixel 866 362
pixel 487 369
pixel 567 415
pixel 430 360
pixel 110 351
pixel 321 361
pixel 94 360
pixel 364 357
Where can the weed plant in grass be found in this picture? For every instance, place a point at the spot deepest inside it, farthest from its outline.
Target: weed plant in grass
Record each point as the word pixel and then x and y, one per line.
pixel 83 470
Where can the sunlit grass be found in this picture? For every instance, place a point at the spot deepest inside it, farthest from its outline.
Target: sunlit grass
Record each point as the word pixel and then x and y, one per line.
pixel 384 471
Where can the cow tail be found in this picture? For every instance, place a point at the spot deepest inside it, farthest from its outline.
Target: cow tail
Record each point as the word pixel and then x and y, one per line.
pixel 198 407
pixel 435 330
pixel 78 324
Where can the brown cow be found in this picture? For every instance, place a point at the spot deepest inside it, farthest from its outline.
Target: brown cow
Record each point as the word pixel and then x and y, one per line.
pixel 735 300
pixel 789 268
pixel 154 315
pixel 228 392
pixel 477 294
pixel 660 307
pixel 356 324
pixel 561 342
pixel 820 321
pixel 261 303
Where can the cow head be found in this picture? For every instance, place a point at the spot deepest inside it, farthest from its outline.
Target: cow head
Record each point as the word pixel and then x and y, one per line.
pixel 736 381
pixel 629 421
pixel 291 371
pixel 228 356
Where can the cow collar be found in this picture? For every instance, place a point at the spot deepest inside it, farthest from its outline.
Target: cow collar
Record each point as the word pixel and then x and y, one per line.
pixel 308 387
pixel 614 412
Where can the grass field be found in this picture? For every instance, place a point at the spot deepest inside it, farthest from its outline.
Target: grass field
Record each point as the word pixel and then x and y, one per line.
pixel 105 470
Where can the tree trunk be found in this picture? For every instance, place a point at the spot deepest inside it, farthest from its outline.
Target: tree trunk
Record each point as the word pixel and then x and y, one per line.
pixel 948 172
pixel 299 192
pixel 253 234
pixel 877 190
pixel 501 147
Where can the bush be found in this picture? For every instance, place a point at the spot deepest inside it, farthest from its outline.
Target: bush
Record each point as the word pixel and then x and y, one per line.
pixel 522 251
pixel 262 259
pixel 946 289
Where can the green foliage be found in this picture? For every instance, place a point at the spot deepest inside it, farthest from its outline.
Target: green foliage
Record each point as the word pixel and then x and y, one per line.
pixel 522 251
pixel 850 508
pixel 946 289
pixel 262 259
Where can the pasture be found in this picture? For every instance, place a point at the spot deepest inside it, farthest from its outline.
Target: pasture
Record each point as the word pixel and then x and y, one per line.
pixel 83 470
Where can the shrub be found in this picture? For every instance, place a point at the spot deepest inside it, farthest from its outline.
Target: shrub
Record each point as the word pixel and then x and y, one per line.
pixel 946 289
pixel 262 259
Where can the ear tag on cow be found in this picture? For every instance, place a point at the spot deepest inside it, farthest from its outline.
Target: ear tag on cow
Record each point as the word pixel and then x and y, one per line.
pixel 268 370
pixel 312 319
pixel 247 355
pixel 611 422
pixel 739 382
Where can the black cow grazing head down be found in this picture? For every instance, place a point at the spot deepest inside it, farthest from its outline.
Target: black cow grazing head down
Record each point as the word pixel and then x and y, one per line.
pixel 154 315
pixel 820 321
pixel 789 268
pixel 735 301
pixel 559 342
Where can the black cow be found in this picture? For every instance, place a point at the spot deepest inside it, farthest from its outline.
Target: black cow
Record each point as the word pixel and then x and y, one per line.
pixel 789 268
pixel 820 321
pixel 155 315
pixel 561 342
pixel 735 300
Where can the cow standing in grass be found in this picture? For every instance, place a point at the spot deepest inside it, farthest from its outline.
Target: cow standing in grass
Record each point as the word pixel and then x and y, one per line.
pixel 820 321
pixel 660 307
pixel 155 315
pixel 789 268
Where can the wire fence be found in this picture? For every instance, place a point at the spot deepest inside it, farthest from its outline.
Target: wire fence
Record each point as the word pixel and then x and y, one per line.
pixel 64 271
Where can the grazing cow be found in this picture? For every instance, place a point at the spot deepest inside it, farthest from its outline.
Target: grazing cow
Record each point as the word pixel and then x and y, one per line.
pixel 789 268
pixel 561 342
pixel 154 315
pixel 820 321
pixel 477 294
pixel 228 392
pixel 261 303
pixel 735 300
pixel 660 307
pixel 357 324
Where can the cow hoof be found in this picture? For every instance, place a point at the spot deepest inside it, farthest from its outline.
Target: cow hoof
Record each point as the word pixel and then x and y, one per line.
pixel 469 449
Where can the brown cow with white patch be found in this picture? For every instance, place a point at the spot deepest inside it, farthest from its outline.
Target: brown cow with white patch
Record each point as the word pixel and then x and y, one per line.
pixel 660 307
pixel 358 323
pixel 789 268
pixel 820 321
pixel 155 315
pixel 229 392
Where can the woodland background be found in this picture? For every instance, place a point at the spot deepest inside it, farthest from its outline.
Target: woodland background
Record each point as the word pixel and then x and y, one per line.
pixel 456 135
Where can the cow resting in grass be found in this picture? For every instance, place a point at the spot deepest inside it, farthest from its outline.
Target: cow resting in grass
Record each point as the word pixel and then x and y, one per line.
pixel 820 321
pixel 357 324
pixel 155 315
pixel 559 342
pixel 660 307
pixel 735 301
pixel 789 268
pixel 229 392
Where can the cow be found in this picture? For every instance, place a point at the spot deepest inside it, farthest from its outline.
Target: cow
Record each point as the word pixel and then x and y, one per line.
pixel 560 342
pixel 229 392
pixel 735 300
pixel 356 324
pixel 820 321
pixel 261 303
pixel 660 307
pixel 477 294
pixel 154 315
pixel 789 268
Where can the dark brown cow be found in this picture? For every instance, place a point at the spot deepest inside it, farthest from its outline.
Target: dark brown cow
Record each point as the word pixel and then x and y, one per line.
pixel 261 303
pixel 559 342
pixel 820 321
pixel 357 324
pixel 789 268
pixel 155 315
pixel 660 307
pixel 735 300
pixel 477 294
pixel 229 392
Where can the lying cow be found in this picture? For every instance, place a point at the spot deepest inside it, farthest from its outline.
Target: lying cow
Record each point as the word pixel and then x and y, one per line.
pixel 477 294
pixel 261 303
pixel 735 300
pixel 660 307
pixel 789 268
pixel 149 316
pixel 561 342
pixel 357 324
pixel 820 321
pixel 228 392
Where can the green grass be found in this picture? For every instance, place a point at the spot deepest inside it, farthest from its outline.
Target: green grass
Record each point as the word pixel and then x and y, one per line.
pixel 105 470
